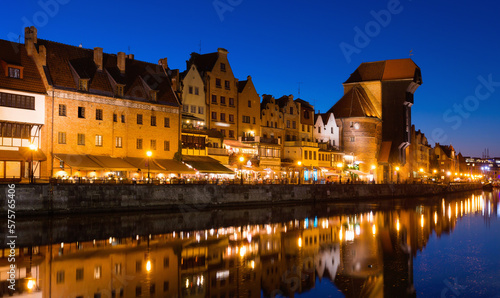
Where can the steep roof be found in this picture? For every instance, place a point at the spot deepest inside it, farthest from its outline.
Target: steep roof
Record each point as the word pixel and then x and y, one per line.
pixel 304 104
pixel 67 63
pixel 355 103
pixel 282 101
pixel 241 85
pixel 266 98
pixel 15 54
pixel 385 70
pixel 205 62
pixel 446 149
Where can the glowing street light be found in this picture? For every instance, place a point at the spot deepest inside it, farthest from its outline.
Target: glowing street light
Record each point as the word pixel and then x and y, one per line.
pixel 299 163
pixel 241 159
pixel 397 173
pixel 149 154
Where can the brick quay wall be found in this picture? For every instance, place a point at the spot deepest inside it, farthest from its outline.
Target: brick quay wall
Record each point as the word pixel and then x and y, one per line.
pixel 43 199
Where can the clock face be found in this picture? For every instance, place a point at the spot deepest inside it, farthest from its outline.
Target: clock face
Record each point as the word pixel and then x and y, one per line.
pixel 356 125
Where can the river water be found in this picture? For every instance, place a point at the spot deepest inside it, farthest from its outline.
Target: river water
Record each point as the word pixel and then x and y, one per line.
pixel 429 247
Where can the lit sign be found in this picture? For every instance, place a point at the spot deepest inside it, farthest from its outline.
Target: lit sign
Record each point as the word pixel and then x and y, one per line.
pixel 222 274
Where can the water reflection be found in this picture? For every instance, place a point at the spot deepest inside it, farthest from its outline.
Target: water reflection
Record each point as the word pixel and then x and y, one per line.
pixel 367 253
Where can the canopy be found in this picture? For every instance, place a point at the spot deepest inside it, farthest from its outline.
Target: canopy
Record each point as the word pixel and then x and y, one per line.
pixel 174 166
pixel 142 163
pixel 37 154
pixel 205 164
pixel 83 162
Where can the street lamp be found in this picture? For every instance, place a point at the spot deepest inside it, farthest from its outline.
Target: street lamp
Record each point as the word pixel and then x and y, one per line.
pixel 397 173
pixel 241 159
pixel 33 148
pixel 299 163
pixel 340 166
pixel 149 154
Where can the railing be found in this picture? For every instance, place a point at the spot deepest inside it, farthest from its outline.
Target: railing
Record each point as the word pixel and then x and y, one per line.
pixel 300 144
pixel 217 151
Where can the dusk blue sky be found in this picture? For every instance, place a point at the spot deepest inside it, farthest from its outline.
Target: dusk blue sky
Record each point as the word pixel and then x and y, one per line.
pixel 281 43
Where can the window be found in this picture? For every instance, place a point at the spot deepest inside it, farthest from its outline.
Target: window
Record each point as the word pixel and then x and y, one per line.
pixel 253 120
pixel 153 95
pixel 97 272
pixel 231 118
pixel 165 286
pixel 310 154
pixel 332 130
pixel 118 142
pixel 14 73
pixel 166 122
pixel 166 146
pixel 222 117
pixel 81 139
pixel 214 115
pixel 79 274
pixel 193 109
pixel 291 110
pixel 306 115
pixel 97 295
pixel 231 101
pixel 223 132
pixel 153 145
pixel 98 114
pixel 138 266
pixel 138 291
pixel 62 110
pixel 314 155
pixel 305 154
pixel 166 262
pixel 222 100
pixel 218 83
pixel 249 103
pixel 231 133
pixel 153 120
pixel 196 91
pixel 139 144
pixel 98 140
pixel 319 129
pixel 123 118
pixel 115 117
pixel 81 112
pixel 201 110
pixel 152 289
pixel 83 85
pixel 245 119
pixel 303 127
pixel 214 99
pixel 61 138
pixel 17 101
pixel 294 125
pixel 287 123
pixel 352 139
pixel 185 108
pixel 308 128
pixel 223 67
pixel 60 276
pixel 190 90
pixel 119 90
pixel 227 85
pixel 139 119
pixel 118 269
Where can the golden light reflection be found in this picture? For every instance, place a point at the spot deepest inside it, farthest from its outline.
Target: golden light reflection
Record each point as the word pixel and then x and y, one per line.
pixel 148 266
pixel 374 230
pixel 435 217
pixel 243 251
pixel 30 285
pixel 422 220
pixel 340 234
pixel 449 211
pixel 300 239
pixel 397 225
pixel 252 264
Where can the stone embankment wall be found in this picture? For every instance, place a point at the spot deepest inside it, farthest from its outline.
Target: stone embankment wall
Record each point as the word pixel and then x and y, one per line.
pixel 87 198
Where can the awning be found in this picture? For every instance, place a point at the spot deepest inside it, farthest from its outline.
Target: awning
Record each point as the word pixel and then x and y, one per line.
pixel 142 163
pixel 112 163
pixel 38 154
pixel 236 144
pixel 11 155
pixel 174 166
pixel 79 162
pixel 358 172
pixel 385 152
pixel 205 164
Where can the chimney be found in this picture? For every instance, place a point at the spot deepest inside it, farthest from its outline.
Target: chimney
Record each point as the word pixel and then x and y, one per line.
pixel 42 55
pixel 131 56
pixel 98 57
pixel 249 78
pixel 30 39
pixel 120 61
pixel 222 51
pixel 163 62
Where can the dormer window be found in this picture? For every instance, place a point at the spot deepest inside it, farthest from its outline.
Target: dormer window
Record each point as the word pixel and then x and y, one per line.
pixel 153 95
pixel 83 85
pixel 119 90
pixel 14 73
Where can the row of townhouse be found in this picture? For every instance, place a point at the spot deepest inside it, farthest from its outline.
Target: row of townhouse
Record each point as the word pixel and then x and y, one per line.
pixel 92 114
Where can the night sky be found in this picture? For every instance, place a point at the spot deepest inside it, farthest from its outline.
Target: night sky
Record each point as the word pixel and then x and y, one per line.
pixel 317 43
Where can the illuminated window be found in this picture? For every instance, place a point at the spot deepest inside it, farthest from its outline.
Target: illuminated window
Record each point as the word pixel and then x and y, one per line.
pixel 81 139
pixel 61 138
pixel 14 73
pixel 83 85
pixel 97 272
pixel 119 90
pixel 118 142
pixel 62 110
pixel 98 140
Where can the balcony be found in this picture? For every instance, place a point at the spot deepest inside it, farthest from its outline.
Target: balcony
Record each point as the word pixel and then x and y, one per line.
pixel 269 141
pixel 301 144
pixel 217 151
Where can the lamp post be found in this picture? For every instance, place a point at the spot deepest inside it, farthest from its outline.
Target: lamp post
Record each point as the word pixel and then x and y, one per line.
pixel 397 174
pixel 33 148
pixel 299 163
pixel 241 159
pixel 149 154
pixel 340 166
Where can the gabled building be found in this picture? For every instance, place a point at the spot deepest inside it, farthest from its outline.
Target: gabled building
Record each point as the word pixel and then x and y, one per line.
pixel 374 116
pixel 291 117
pixel 445 159
pixel 270 147
pixel 105 112
pixel 193 97
pixel 326 130
pixel 22 113
pixel 221 91
pixel 306 120
pixel 248 112
pixel 420 154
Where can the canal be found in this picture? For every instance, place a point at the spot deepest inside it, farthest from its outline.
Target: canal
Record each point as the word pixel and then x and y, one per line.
pixel 427 247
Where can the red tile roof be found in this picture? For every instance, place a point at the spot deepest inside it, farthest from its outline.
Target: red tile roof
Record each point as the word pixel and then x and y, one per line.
pixel 385 70
pixel 66 64
pixel 355 103
pixel 14 53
